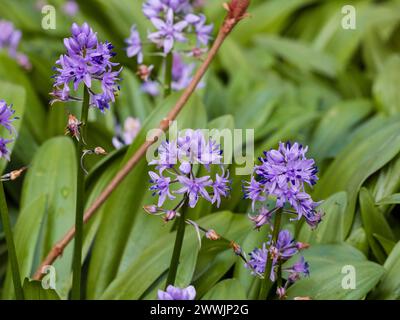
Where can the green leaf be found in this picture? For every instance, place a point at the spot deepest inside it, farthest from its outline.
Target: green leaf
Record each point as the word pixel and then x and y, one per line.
pixel 51 178
pixel 386 93
pixel 374 223
pixel 33 290
pixel 154 260
pixel 327 264
pixel 298 54
pixel 386 244
pixel 335 125
pixel 370 154
pixel 229 289
pixel 389 287
pixel 358 239
pixel 334 209
pixel 393 199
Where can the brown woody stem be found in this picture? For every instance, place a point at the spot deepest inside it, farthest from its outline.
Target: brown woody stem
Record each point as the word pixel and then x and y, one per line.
pixel 229 23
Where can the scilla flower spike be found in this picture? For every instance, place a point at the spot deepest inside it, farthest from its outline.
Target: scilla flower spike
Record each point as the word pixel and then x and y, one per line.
pixel 174 22
pixel 6 119
pixel 87 62
pixel 283 175
pixel 176 178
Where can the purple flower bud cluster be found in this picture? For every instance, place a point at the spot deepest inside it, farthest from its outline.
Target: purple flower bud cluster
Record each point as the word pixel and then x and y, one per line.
pixel 283 175
pixel 9 40
pixel 6 119
pixel 281 251
pixel 175 21
pixel 177 163
pixel 174 293
pixel 87 61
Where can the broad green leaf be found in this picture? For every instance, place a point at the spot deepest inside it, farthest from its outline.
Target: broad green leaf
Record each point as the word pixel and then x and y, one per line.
pixel 268 16
pixel 389 287
pixel 386 93
pixel 386 244
pixel 370 155
pixel 51 176
pixel 328 265
pixel 374 223
pixel 358 239
pixel 335 125
pixel 26 234
pixel 298 54
pixel 33 290
pixel 334 209
pixel 229 289
pixel 154 260
pixel 393 199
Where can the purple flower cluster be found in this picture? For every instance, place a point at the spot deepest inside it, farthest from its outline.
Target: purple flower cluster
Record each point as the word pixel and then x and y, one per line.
pixel 87 60
pixel 281 251
pixel 174 21
pixel 174 293
pixel 283 175
pixel 177 162
pixel 9 40
pixel 6 119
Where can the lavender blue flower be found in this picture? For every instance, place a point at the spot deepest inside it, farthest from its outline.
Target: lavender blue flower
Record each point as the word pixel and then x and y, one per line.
pixel 6 116
pixel 10 38
pixel 4 152
pixel 134 45
pixel 283 174
pixel 174 293
pixel 168 32
pixel 301 267
pixel 161 186
pixel 175 162
pixel 221 187
pixel 281 251
pixel 87 61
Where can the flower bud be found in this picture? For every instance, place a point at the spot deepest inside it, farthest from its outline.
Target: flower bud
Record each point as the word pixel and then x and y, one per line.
pixel 236 248
pixel 170 215
pixel 99 151
pixel 73 127
pixel 301 245
pixel 281 292
pixel 144 72
pixel 151 209
pixel 212 235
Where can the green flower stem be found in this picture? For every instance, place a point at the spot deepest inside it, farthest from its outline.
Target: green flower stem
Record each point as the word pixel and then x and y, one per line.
pixel 12 255
pixel 180 233
pixel 267 283
pixel 168 74
pixel 80 204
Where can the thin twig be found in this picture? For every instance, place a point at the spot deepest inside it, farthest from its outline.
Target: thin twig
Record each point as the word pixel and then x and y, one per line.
pixel 236 11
